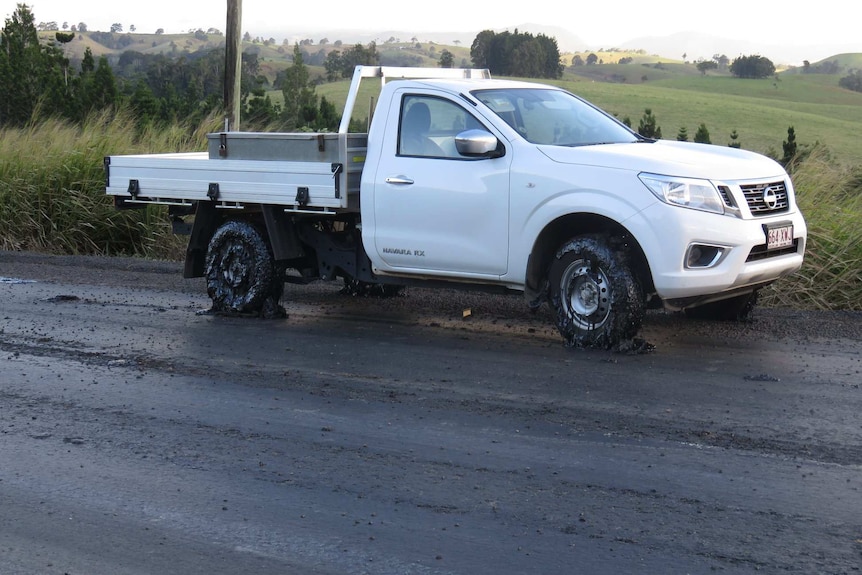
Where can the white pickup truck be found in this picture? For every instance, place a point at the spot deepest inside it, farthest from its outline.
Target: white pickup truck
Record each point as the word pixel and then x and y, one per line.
pixel 467 181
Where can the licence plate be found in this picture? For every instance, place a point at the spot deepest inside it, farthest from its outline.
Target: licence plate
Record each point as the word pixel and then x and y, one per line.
pixel 780 236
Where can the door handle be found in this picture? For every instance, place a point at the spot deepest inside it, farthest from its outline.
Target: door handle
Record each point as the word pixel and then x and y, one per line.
pixel 400 180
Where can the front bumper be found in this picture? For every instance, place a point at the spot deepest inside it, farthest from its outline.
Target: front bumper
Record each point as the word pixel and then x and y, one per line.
pixel 745 263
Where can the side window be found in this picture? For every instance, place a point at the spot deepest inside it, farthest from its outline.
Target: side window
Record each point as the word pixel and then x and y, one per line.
pixel 429 126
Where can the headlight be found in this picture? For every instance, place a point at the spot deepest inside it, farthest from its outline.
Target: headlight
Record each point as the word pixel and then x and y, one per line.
pixel 685 192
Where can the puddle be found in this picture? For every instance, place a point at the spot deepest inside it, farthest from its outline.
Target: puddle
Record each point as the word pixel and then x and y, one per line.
pixel 15 281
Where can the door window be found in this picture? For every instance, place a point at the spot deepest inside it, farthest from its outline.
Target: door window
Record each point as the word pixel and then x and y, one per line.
pixel 429 126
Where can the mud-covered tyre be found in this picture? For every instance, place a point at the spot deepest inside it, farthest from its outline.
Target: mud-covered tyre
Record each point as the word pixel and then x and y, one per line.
pixel 737 308
pixel 241 274
pixel 596 299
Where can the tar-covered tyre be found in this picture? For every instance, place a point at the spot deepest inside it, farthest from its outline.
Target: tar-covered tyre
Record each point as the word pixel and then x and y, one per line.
pixel 597 301
pixel 241 274
pixel 737 308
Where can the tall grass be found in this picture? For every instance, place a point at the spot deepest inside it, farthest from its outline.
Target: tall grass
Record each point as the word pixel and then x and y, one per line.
pixel 52 187
pixel 52 199
pixel 830 197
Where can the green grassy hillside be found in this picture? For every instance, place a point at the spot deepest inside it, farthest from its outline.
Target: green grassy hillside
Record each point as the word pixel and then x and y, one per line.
pixel 759 110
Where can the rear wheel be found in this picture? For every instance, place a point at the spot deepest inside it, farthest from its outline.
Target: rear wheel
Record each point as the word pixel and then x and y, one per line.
pixel 594 294
pixel 241 274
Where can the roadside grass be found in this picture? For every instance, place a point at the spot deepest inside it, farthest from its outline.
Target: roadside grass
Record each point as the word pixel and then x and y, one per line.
pixel 52 188
pixel 830 197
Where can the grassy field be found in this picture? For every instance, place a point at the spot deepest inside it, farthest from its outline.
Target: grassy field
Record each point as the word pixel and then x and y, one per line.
pixel 760 111
pixel 52 182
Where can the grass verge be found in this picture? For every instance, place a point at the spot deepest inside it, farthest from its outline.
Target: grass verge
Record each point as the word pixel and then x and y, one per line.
pixel 52 200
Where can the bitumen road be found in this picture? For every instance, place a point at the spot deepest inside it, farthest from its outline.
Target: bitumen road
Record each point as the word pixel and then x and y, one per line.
pixel 439 432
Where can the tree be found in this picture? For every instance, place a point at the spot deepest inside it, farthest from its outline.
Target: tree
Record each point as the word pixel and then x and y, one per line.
pixel 702 135
pixel 722 60
pixel 300 101
pixel 447 60
pixel 705 65
pixel 852 81
pixel 682 135
pixel 327 116
pixel 734 140
pixel 526 60
pixel 98 88
pixel 116 28
pixel 647 126
pixel 145 104
pixel 592 59
pixel 31 74
pixel 481 48
pixel 333 66
pixel 754 67
pixel 359 55
pixel 82 27
pixel 789 148
pixel 64 38
pixel 260 111
pixel 517 54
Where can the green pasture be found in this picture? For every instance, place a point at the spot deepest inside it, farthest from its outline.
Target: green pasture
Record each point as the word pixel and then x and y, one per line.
pixel 760 111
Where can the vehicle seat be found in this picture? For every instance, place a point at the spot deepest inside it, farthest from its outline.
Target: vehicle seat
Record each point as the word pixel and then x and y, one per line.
pixel 414 133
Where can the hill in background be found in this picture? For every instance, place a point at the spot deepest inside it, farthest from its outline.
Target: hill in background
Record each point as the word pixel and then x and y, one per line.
pixel 694 44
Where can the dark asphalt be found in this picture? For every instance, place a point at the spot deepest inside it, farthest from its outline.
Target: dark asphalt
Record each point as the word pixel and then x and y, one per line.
pixel 438 433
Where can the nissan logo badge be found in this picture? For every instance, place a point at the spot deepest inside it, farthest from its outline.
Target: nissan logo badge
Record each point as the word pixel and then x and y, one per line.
pixel 770 197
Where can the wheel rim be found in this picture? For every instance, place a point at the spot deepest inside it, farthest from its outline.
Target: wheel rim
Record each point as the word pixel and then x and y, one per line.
pixel 586 293
pixel 235 266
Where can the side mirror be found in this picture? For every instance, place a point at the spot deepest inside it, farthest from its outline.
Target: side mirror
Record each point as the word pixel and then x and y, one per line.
pixel 478 143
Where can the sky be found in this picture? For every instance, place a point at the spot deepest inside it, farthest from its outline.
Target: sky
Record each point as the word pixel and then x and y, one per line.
pixel 599 24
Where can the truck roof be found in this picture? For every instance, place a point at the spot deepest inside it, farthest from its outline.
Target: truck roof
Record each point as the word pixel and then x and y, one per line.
pixel 466 84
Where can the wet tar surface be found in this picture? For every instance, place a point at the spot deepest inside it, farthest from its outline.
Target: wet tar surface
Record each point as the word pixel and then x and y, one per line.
pixel 433 433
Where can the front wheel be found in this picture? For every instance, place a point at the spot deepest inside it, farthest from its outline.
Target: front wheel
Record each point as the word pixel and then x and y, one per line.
pixel 594 294
pixel 241 275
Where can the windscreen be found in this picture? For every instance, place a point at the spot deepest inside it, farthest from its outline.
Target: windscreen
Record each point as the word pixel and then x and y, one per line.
pixel 555 117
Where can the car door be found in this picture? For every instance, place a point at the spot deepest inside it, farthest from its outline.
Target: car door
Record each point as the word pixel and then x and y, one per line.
pixel 436 211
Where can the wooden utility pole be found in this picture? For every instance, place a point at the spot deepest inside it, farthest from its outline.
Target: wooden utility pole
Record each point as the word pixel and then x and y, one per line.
pixel 233 65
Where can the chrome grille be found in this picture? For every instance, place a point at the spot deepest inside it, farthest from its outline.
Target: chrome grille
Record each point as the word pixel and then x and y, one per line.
pixel 766 199
pixel 725 196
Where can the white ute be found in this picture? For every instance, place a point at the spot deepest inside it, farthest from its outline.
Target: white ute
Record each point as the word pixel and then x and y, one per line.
pixel 467 181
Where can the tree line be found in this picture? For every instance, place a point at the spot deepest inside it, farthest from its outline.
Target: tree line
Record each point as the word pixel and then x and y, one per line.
pixel 648 127
pixel 36 80
pixel 517 54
